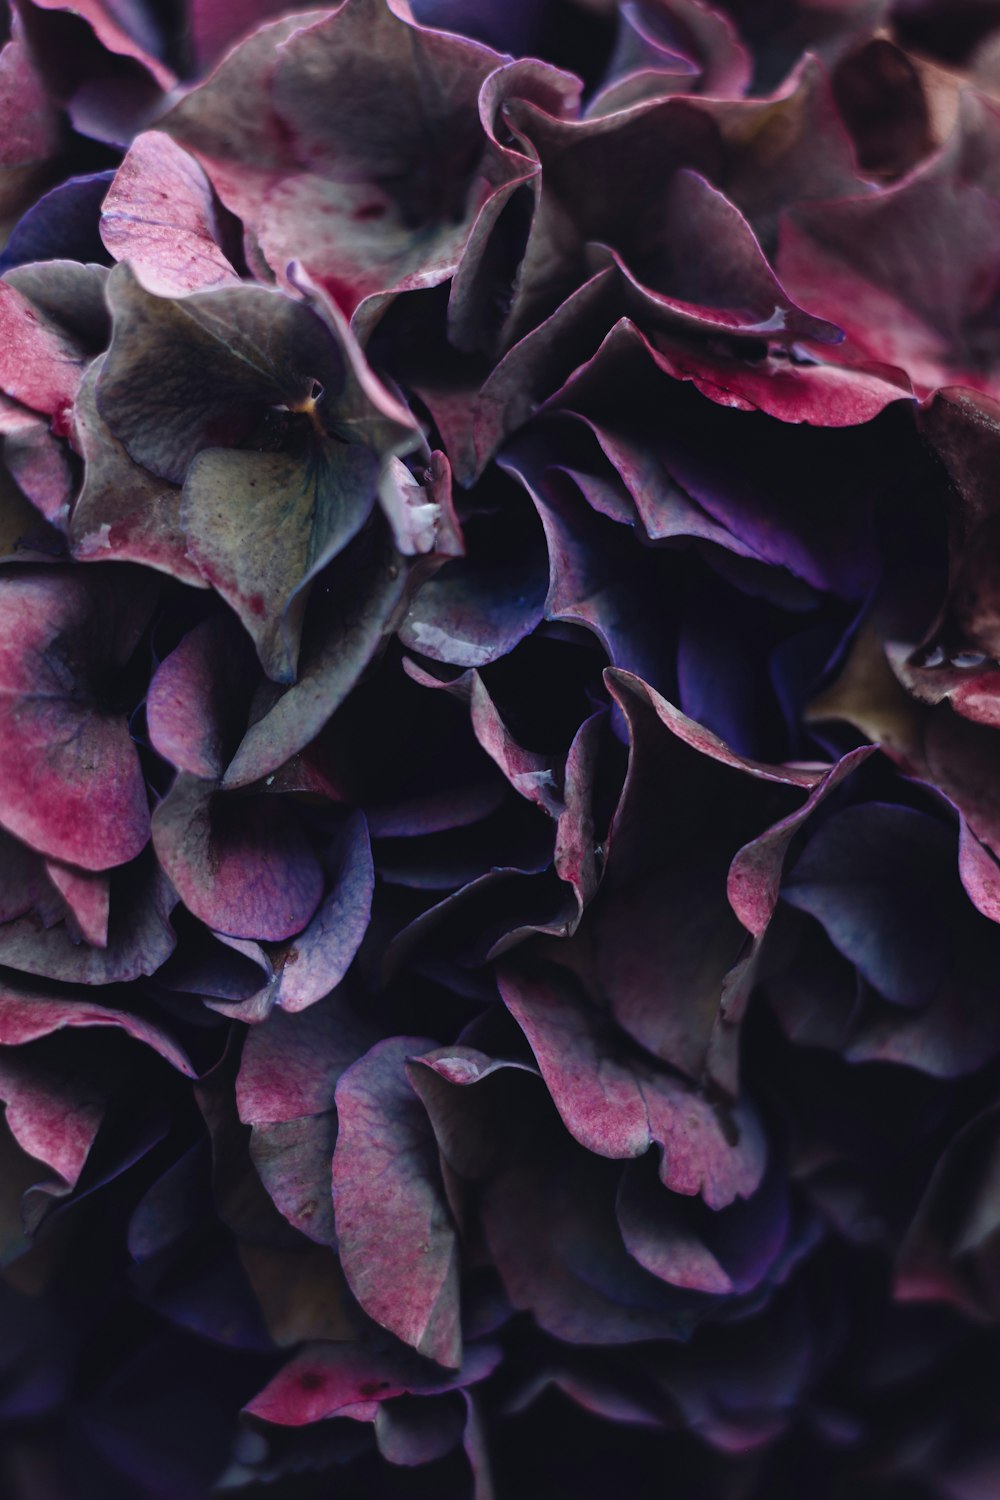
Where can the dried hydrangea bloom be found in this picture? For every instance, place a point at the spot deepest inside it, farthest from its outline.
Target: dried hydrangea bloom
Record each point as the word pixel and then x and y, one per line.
pixel 499 772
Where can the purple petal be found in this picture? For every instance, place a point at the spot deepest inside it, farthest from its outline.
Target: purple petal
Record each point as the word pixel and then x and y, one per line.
pixel 399 1249
pixel 62 223
pixel 657 1233
pixel 199 698
pixel 322 955
pixel 116 35
pixel 550 1226
pixel 880 880
pixel 140 937
pixel 241 865
pixel 291 1064
pixel 468 1132
pixel 618 1107
pixel 52 1117
pixel 470 615
pixel 72 784
pixel 292 1158
pixel 30 131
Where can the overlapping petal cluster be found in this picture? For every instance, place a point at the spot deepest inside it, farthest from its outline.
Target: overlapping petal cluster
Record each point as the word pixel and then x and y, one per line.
pixel 500 750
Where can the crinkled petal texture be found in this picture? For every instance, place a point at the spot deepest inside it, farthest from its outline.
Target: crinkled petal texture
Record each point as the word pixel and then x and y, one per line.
pixel 499 697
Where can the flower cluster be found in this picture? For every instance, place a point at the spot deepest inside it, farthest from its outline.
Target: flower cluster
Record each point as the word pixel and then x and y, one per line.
pixel 500 750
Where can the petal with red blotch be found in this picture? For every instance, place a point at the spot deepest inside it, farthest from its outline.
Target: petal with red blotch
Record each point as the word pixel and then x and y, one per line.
pixel 159 216
pixel 324 1379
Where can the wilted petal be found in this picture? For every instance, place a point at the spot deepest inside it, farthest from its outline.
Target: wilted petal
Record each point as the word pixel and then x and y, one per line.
pixel 116 37
pixel 29 127
pixel 595 577
pixel 686 1244
pixel 618 152
pixel 469 1131
pixel 950 1252
pixel 670 930
pixel 476 609
pixel 231 353
pixel 240 145
pixel 757 503
pixel 290 1065
pixel 292 1158
pixel 575 855
pixel 24 883
pixel 396 152
pixel 37 460
pixel 656 1232
pixel 301 1292
pixel 907 274
pixel 422 516
pixel 704 269
pixel 71 297
pixel 216 24
pixel 52 1117
pixel 673 47
pixel 410 1432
